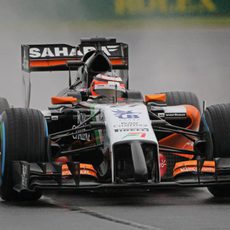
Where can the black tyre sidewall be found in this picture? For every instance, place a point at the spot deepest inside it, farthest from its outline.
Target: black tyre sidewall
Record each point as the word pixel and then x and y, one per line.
pixel 182 98
pixel 25 139
pixel 217 120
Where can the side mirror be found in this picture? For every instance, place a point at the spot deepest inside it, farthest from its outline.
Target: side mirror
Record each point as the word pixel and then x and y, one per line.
pixel 63 100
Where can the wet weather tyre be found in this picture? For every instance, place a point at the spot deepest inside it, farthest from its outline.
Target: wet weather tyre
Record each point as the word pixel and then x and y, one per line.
pixel 217 119
pixel 23 137
pixel 3 104
pixel 182 98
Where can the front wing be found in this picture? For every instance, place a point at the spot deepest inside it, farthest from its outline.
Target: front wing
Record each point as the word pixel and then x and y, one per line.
pixel 51 176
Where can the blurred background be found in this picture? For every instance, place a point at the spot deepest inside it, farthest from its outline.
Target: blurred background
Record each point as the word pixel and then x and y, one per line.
pixel 173 44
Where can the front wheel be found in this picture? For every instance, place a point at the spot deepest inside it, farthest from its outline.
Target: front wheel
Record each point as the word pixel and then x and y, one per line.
pixel 23 137
pixel 218 125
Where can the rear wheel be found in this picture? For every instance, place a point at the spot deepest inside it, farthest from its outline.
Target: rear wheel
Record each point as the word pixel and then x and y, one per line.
pixel 23 137
pixel 175 98
pixel 182 98
pixel 217 118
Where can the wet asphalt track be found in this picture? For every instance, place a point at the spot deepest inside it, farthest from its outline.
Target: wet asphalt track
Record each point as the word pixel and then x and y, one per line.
pixel 194 59
pixel 162 209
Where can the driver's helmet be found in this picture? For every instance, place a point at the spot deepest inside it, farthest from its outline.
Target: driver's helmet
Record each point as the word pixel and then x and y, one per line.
pixel 107 84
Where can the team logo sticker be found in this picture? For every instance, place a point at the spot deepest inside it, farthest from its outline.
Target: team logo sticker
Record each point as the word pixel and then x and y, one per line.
pixel 121 114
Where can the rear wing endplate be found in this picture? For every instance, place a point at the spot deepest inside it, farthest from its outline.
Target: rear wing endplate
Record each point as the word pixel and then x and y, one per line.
pixel 54 57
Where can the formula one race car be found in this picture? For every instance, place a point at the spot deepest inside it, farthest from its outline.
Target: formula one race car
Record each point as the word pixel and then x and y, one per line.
pixel 99 134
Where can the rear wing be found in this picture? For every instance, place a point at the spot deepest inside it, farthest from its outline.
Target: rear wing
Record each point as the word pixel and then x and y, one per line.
pixel 54 57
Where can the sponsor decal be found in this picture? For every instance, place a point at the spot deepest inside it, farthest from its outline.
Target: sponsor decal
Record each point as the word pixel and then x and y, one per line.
pixel 175 115
pixel 82 136
pixel 130 124
pixel 162 115
pixel 171 115
pixel 49 52
pixel 163 165
pixel 135 134
pixel 69 51
pixel 121 114
pixel 111 50
pixel 131 130
pixel 188 169
pixel 193 169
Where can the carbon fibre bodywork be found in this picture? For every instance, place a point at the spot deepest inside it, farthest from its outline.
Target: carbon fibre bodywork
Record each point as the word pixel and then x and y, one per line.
pixel 117 141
